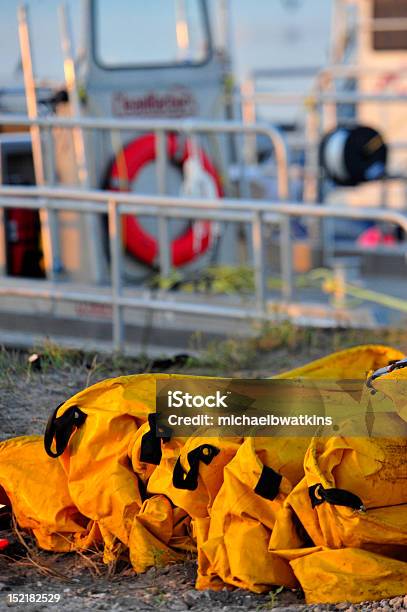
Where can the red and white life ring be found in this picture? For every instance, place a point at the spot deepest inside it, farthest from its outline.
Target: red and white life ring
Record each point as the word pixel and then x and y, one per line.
pixel 197 238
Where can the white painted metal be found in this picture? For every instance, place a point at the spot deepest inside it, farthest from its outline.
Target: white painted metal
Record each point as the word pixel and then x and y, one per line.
pixel 93 257
pixel 48 221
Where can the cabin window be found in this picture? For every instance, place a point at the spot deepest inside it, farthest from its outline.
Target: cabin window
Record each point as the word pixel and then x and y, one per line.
pixel 394 36
pixel 136 33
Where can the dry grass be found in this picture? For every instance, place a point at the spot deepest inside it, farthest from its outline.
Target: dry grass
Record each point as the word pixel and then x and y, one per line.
pixel 33 555
pixel 272 348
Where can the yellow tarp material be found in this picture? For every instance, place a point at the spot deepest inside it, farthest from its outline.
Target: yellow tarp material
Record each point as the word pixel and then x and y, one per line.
pixel 212 455
pixel 349 573
pixel 242 519
pixel 38 492
pixel 354 363
pixel 326 514
pixel 374 517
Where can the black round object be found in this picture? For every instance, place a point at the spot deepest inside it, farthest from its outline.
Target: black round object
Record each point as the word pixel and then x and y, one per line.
pixel 353 155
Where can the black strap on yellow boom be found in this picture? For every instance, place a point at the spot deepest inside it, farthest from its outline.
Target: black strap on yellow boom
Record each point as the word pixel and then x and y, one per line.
pixel 268 484
pixel 60 429
pixel 336 497
pixel 189 480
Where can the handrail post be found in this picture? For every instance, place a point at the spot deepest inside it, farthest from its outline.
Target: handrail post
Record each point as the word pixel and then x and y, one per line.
pixel 249 117
pixel 286 257
pixel 259 262
pixel 280 150
pixel 3 230
pixel 115 272
pixel 50 156
pixel 163 234
pixel 281 155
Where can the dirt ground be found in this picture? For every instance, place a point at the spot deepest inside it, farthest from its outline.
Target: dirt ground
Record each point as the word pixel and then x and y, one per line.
pixel 28 393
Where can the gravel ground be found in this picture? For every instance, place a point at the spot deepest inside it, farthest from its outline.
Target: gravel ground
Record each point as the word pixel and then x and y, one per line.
pixel 84 585
pixel 26 399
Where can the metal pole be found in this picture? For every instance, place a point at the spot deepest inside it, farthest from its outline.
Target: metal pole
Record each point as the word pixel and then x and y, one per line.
pixel 123 183
pixel 50 156
pixel 339 294
pixel 115 272
pixel 310 191
pixel 258 260
pixel 3 252
pixel 94 247
pixel 286 257
pixel 338 32
pixel 329 109
pixel 49 224
pixel 249 116
pixel 74 101
pixel 163 234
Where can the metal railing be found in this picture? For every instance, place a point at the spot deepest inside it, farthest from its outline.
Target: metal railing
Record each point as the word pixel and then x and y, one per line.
pixel 319 107
pixel 190 128
pixel 322 91
pixel 257 213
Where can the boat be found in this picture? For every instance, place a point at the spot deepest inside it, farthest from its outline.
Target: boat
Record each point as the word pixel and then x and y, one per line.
pixel 133 184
